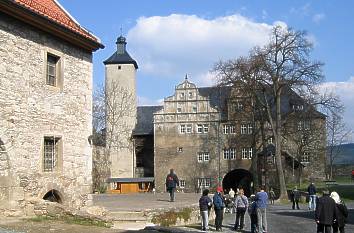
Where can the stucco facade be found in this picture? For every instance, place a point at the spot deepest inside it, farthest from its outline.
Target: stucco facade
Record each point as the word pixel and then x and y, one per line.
pixel 38 118
pixel 210 137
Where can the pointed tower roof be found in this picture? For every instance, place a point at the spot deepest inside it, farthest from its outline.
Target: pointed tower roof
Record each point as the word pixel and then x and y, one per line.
pixel 121 56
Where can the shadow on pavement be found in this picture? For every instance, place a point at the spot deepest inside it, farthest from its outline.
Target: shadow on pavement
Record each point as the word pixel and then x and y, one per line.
pixel 311 214
pixel 296 213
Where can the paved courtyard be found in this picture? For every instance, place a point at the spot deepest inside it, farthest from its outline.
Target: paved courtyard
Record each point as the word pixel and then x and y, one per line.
pixel 281 219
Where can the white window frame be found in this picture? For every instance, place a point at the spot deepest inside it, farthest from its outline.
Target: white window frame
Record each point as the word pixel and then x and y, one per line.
pixel 244 154
pixel 182 129
pixel 204 182
pixel 200 128
pixel 189 128
pixel 206 128
pixel 250 153
pixel 232 153
pixel 226 129
pixel 200 158
pixel 249 129
pixel 226 154
pixel 179 149
pixel 232 129
pixel 243 129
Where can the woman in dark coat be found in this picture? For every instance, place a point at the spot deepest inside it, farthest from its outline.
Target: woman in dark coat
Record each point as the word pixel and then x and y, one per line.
pixel 341 214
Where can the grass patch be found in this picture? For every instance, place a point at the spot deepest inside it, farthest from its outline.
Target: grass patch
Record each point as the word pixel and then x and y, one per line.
pixel 72 220
pixel 169 218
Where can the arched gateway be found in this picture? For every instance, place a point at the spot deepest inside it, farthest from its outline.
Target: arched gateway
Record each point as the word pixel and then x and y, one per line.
pixel 238 178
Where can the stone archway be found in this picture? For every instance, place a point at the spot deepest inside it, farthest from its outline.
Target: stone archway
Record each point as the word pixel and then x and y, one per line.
pixel 53 196
pixel 238 178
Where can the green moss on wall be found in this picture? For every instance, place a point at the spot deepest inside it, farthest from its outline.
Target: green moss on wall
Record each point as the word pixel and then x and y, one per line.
pixel 169 218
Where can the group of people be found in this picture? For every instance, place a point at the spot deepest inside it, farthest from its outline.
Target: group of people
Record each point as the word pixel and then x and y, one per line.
pixel 330 210
pixel 256 209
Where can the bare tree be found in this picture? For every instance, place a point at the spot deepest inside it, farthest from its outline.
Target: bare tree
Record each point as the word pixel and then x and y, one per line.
pixel 337 134
pixel 280 65
pixel 111 107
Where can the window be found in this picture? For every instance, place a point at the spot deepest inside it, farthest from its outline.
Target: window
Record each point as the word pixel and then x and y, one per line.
pixel 229 129
pixel 230 154
pixel 119 67
pixel 179 149
pixel 304 125
pixel 247 153
pixel 204 182
pixel 270 140
pixel 226 129
pixel 244 153
pixel 199 128
pixel 249 128
pixel 305 158
pixel 203 157
pixel 206 128
pixel 189 128
pixel 179 109
pixel 194 107
pixel 307 125
pixel 250 152
pixel 243 129
pixel 190 95
pixel 182 128
pixel 52 70
pixel 181 95
pixel 271 159
pixel 226 154
pixel 239 106
pixel 51 153
pixel 182 184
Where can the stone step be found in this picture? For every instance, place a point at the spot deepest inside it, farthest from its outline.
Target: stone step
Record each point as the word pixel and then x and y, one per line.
pixel 128 216
pixel 130 225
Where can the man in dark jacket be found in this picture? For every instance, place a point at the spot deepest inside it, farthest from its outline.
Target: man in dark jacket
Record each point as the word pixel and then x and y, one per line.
pixel 205 204
pixel 171 183
pixel 311 189
pixel 325 213
pixel 295 197
pixel 219 205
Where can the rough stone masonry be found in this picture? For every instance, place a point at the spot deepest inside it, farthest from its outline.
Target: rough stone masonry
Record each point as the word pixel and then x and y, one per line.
pixel 31 110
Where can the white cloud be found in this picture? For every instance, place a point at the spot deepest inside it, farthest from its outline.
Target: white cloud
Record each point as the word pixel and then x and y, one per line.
pixel 170 46
pixel 345 90
pixel 317 18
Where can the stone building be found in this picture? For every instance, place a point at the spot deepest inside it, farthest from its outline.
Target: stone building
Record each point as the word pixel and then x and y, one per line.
pixel 46 104
pixel 210 138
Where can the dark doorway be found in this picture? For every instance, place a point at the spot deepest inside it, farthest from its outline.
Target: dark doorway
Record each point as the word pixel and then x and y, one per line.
pixel 238 178
pixel 53 196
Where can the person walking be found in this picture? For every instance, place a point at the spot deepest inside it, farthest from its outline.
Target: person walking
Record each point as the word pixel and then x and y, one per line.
pixel 295 197
pixel 325 213
pixel 271 196
pixel 261 203
pixel 171 183
pixel 311 190
pixel 205 204
pixel 341 214
pixel 241 205
pixel 252 211
pixel 219 206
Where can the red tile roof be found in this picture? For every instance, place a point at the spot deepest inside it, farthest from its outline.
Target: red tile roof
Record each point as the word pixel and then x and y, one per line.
pixel 53 11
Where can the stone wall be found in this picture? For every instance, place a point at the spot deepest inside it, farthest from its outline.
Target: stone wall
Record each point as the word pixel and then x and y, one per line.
pixel 32 110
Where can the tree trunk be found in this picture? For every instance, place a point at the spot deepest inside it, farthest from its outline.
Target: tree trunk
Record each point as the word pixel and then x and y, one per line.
pixel 280 172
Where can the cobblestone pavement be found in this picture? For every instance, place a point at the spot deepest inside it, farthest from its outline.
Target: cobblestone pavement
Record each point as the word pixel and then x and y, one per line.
pixel 281 219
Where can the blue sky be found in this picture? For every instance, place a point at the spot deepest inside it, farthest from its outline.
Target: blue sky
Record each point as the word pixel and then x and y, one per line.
pixel 171 38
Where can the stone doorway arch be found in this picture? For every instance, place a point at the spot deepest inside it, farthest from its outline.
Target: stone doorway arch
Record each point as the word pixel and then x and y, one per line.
pixel 53 196
pixel 239 178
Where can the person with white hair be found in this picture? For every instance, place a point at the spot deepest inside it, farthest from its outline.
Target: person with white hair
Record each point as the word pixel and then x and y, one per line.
pixel 341 213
